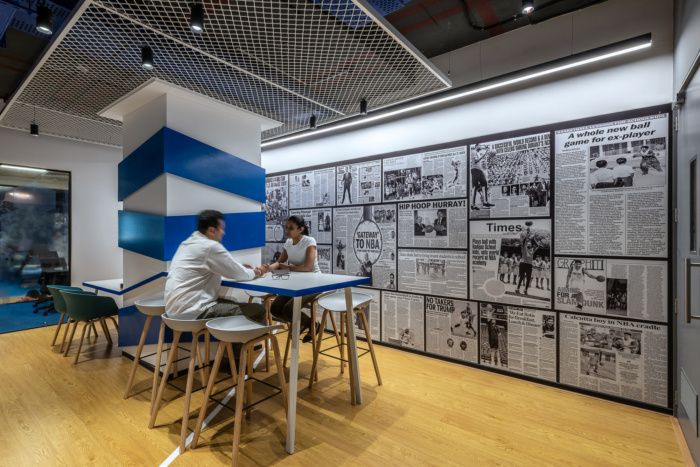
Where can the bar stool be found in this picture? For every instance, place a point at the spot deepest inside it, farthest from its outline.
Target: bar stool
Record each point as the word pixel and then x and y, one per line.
pixel 150 307
pixel 239 330
pixel 335 303
pixel 198 328
pixel 267 299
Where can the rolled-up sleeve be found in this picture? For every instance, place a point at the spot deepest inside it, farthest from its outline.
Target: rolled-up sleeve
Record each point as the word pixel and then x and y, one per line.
pixel 221 262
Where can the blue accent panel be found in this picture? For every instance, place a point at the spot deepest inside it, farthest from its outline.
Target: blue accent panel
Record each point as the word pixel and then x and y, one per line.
pixel 142 233
pixel 191 159
pixel 131 324
pixel 296 293
pixel 142 166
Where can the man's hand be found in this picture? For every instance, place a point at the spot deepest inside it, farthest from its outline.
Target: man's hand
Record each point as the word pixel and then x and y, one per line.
pixel 259 272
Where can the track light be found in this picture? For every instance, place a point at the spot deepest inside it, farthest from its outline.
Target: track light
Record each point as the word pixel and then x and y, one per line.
pixel 363 107
pixel 44 20
pixel 528 6
pixel 312 122
pixel 34 129
pixel 197 17
pixel 22 169
pixel 147 58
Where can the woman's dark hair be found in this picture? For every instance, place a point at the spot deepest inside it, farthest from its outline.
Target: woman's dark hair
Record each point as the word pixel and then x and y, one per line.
pixel 299 222
pixel 208 218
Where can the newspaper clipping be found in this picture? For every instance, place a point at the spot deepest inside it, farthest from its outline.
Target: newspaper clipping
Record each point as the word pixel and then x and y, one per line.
pixel 451 328
pixel 511 261
pixel 613 287
pixel 318 221
pixel 276 206
pixel 312 189
pixel 623 358
pixel 323 255
pixel 519 339
pixel 364 243
pixel 426 175
pixel 271 252
pixel 433 224
pixel 359 183
pixel 434 272
pixel 611 190
pixel 402 320
pixel 510 177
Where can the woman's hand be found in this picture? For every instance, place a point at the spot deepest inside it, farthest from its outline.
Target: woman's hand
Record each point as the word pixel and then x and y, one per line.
pixel 284 266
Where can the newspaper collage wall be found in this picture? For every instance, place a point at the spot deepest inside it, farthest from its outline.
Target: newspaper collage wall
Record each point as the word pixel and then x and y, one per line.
pixel 544 254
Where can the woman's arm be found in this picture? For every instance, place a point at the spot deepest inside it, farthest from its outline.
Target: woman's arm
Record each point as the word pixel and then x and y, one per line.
pixel 309 261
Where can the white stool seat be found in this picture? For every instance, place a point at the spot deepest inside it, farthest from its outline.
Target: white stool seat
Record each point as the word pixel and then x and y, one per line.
pixel 238 329
pixel 336 301
pixel 154 306
pixel 184 325
pixel 253 293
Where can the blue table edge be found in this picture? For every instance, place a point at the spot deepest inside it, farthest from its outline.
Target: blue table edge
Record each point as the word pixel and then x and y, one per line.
pixel 296 293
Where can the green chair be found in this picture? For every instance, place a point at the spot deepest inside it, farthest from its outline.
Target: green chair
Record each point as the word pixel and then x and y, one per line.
pixel 60 306
pixel 88 308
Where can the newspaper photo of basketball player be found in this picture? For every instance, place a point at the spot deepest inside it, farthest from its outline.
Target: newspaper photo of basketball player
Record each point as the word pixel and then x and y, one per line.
pixel 510 177
pixel 510 261
pixel 403 321
pixel 494 335
pixel 276 207
pixel 451 328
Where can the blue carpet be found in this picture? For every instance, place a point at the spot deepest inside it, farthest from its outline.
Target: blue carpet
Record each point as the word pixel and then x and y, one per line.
pixel 19 316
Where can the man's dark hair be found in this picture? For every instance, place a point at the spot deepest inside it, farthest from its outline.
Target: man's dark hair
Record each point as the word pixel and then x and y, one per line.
pixel 208 218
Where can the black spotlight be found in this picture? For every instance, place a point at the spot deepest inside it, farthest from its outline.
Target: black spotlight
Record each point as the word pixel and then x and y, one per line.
pixel 147 58
pixel 44 20
pixel 312 122
pixel 528 6
pixel 197 17
pixel 363 107
pixel 34 129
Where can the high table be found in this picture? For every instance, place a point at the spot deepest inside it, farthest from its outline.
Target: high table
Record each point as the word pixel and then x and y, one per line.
pixel 297 285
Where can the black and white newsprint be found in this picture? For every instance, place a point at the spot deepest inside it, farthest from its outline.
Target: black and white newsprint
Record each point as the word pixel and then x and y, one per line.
pixel 519 339
pixel 402 320
pixel 614 287
pixel 434 272
pixel 324 255
pixel 614 356
pixel 426 175
pixel 611 190
pixel 312 188
pixel 433 224
pixel 359 183
pixel 510 177
pixel 319 221
pixel 364 243
pixel 276 207
pixel 451 328
pixel 510 261
pixel 271 252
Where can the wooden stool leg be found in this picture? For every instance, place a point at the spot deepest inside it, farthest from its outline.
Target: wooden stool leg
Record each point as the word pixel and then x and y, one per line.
pixel 175 349
pixel 188 396
pixel 342 342
pixel 286 348
pixel 268 319
pixel 317 349
pixel 58 329
pixel 331 315
pixel 156 369
pixel 207 352
pixel 280 370
pixel 240 395
pixel 196 353
pixel 249 382
pixel 65 334
pixel 70 340
pixel 207 393
pixel 164 381
pixel 80 344
pixel 347 320
pixel 231 361
pixel 368 335
pixel 137 356
pixel 106 331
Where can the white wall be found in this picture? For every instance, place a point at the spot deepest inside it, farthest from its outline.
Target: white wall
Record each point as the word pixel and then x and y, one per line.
pixel 93 168
pixel 639 80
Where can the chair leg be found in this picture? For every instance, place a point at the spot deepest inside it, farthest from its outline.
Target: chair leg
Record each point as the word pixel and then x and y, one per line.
pixel 249 381
pixel 317 349
pixel 313 326
pixel 188 396
pixel 116 325
pixel 207 351
pixel 80 344
pixel 351 368
pixel 335 327
pixel 196 353
pixel 93 329
pixel 231 361
pixel 280 370
pixel 58 329
pixel 137 356
pixel 70 340
pixel 65 334
pixel 207 393
pixel 342 343
pixel 267 303
pixel 370 345
pixel 287 345
pixel 105 329
pixel 156 368
pixel 240 395
pixel 164 381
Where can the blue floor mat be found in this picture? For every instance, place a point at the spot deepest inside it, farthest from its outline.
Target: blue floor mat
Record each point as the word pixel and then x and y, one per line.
pixel 19 316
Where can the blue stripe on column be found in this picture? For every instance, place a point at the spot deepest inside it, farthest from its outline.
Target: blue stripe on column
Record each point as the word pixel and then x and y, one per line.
pixel 172 152
pixel 159 236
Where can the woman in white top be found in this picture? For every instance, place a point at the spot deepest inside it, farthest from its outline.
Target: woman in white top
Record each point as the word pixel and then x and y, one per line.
pixel 298 255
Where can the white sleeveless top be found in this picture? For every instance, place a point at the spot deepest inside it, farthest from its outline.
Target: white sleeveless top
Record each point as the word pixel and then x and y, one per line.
pixel 296 254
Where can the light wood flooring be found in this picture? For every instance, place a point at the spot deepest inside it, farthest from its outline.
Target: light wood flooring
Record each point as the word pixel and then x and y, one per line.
pixel 428 412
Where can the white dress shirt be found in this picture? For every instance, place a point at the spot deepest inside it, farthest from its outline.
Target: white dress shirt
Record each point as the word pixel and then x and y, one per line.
pixel 195 275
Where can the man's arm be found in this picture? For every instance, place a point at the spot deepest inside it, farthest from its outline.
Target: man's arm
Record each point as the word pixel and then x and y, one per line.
pixel 221 262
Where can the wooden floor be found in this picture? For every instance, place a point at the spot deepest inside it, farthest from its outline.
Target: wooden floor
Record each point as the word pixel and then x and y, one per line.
pixel 428 412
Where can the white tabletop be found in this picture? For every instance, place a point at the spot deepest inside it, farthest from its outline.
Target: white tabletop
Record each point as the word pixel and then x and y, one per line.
pixel 113 286
pixel 298 283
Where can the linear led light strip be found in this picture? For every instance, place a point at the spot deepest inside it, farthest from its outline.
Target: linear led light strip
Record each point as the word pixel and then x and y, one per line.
pixel 584 58
pixel 23 169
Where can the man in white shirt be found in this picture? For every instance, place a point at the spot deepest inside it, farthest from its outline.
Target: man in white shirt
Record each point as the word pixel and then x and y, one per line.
pixel 623 173
pixel 194 280
pixel 602 177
